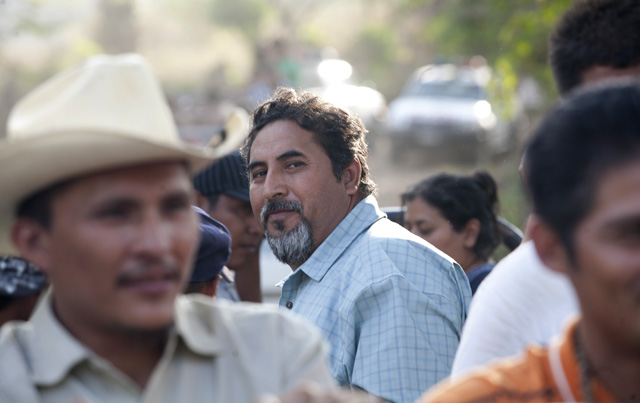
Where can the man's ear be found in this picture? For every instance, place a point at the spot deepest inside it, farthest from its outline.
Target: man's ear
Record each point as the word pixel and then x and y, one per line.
pixel 471 232
pixel 33 242
pixel 548 245
pixel 351 177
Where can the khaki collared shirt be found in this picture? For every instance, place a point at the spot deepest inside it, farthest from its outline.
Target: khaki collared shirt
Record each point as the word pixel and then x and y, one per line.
pixel 217 352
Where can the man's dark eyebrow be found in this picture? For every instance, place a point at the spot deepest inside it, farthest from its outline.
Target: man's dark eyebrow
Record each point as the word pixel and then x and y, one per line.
pixel 117 202
pixel 132 202
pixel 283 156
pixel 622 222
pixel 254 164
pixel 289 154
pixel 179 196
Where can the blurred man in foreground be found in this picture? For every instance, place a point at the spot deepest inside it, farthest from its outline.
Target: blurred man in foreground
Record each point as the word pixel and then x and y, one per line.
pixel 522 301
pixel 583 172
pixel 97 193
pixel 390 304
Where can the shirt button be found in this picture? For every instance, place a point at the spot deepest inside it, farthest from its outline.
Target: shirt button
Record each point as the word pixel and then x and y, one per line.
pixel 289 304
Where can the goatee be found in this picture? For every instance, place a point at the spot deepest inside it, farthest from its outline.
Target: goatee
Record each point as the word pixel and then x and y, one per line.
pixel 295 246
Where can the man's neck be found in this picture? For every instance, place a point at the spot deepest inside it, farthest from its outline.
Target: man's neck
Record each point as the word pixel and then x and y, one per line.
pixel 355 199
pixel 135 353
pixel 353 202
pixel 614 364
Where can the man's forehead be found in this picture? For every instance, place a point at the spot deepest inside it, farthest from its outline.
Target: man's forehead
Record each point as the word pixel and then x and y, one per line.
pixel 230 199
pixel 141 168
pixel 617 193
pixel 117 176
pixel 283 139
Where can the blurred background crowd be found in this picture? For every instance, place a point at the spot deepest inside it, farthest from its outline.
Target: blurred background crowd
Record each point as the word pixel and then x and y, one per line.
pixel 452 86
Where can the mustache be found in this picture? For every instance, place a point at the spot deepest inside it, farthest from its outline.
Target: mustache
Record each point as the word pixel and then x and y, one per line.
pixel 276 205
pixel 151 269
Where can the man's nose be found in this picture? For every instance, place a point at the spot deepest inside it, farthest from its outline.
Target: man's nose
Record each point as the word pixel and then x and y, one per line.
pixel 274 186
pixel 153 237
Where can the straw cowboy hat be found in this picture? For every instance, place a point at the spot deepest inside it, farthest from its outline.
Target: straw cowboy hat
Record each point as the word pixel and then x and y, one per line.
pixel 234 132
pixel 105 113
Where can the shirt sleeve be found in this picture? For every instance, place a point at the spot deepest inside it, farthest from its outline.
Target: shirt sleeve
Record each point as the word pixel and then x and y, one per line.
pixel 403 340
pixel 489 331
pixel 520 303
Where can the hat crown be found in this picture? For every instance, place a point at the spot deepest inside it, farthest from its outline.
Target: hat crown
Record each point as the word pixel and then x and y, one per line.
pixel 106 113
pixel 214 249
pixel 106 94
pixel 225 176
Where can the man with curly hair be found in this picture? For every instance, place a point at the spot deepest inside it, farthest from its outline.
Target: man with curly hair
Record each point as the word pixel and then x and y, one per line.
pixel 391 305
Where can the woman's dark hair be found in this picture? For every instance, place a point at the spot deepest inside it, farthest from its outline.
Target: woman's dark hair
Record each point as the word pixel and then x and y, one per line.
pixel 461 198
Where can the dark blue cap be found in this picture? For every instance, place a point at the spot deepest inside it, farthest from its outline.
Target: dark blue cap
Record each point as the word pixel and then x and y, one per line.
pixel 214 249
pixel 227 176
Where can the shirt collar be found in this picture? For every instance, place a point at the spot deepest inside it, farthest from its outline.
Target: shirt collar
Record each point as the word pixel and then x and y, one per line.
pixel 361 217
pixel 55 352
pixel 566 371
pixel 195 325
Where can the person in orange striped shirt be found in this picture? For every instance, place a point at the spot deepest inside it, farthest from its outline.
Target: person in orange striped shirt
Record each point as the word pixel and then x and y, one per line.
pixel 583 172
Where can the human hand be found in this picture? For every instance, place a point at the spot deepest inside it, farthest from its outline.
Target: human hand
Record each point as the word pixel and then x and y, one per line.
pixel 313 393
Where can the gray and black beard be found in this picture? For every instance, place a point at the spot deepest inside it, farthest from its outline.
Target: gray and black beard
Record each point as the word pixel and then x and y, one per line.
pixel 295 246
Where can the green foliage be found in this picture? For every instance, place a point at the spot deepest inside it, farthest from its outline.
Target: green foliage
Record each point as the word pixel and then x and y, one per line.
pixel 312 35
pixel 244 15
pixel 512 35
pixel 375 52
pixel 502 89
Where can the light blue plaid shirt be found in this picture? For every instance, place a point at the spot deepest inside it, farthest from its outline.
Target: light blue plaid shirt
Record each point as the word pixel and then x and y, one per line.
pixel 390 305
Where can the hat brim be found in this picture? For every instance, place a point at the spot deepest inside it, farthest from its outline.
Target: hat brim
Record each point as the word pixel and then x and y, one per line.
pixel 236 129
pixel 240 194
pixel 33 164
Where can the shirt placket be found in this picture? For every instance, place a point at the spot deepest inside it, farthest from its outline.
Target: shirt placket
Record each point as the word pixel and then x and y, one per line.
pixel 290 290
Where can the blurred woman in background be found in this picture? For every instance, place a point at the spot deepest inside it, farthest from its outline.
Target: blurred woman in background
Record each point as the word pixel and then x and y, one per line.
pixel 456 214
